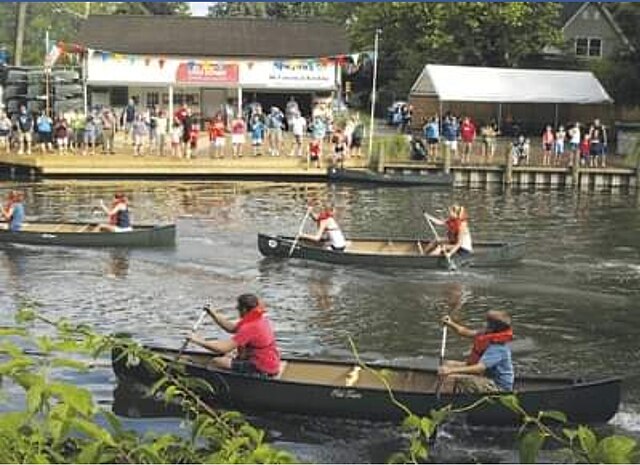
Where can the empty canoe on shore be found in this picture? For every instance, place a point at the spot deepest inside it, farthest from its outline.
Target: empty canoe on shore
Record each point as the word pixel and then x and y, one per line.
pixel 342 389
pixel 89 235
pixel 371 177
pixel 407 253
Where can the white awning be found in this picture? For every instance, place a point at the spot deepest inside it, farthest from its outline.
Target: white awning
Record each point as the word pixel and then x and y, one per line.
pixel 509 85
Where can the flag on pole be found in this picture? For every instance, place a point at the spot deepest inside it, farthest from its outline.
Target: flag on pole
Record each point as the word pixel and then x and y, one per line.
pixel 55 50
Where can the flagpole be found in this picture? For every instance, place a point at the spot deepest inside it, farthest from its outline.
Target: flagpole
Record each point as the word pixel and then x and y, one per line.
pixel 47 72
pixel 374 89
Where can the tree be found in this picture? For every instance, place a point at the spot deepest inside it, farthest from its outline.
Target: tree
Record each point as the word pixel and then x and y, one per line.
pixel 273 10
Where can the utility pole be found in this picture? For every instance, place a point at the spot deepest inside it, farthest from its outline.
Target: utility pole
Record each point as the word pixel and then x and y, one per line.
pixel 21 20
pixel 374 89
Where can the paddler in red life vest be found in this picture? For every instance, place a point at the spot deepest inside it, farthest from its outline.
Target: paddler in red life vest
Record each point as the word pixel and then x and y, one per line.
pixel 458 234
pixel 489 367
pixel 253 341
pixel 328 231
pixel 118 214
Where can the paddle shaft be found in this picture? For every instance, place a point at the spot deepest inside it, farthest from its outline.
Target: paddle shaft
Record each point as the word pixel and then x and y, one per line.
pixel 304 220
pixel 437 237
pixel 195 327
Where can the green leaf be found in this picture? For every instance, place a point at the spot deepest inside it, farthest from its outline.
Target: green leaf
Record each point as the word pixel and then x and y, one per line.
pixel 570 434
pixel 427 426
pixel 78 398
pixel 439 416
pixel 418 450
pixel 412 422
pixel 15 365
pixel 25 315
pixel 93 431
pixel 69 363
pixel 113 420
pixel 89 453
pixel 588 442
pixel 616 449
pixel 35 397
pixel 530 446
pixel 554 415
pixel 12 332
pixel 512 403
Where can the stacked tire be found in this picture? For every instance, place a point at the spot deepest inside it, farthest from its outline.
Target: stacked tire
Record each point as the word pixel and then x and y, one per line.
pixel 67 91
pixel 15 90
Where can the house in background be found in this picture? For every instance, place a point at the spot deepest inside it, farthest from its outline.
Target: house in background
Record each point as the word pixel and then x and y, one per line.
pixel 590 33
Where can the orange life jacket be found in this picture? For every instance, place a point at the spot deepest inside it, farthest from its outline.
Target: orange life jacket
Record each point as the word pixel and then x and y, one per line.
pixel 483 340
pixel 453 229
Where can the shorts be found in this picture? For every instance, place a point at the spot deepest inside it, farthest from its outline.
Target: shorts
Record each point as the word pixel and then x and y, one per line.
pixel 89 138
pixel 547 147
pixel 25 136
pixel 313 156
pixel 432 141
pixel 219 142
pixel 597 149
pixel 122 230
pixel 452 144
pixel 4 132
pixel 356 142
pixel 559 149
pixel 237 139
pixel 62 141
pixel 256 141
pixel 573 146
pixel 246 367
pixel 45 137
pixel 470 384
pixel 298 139
pixel 464 253
pixel 138 139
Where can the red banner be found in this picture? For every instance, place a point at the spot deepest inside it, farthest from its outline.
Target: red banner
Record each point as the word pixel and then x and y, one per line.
pixel 207 73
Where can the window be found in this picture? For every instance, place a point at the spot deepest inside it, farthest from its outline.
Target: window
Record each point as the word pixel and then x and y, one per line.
pixel 153 99
pixel 588 47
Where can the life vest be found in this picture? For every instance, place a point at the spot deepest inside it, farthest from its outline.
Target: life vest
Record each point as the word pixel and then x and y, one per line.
pixel 255 314
pixel 324 215
pixel 482 341
pixel 117 219
pixel 453 229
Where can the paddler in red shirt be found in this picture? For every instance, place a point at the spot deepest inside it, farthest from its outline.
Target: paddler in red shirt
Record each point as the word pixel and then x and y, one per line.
pixel 252 339
pixel 489 367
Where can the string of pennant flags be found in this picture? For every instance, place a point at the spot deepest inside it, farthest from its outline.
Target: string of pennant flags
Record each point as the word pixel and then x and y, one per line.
pixel 351 62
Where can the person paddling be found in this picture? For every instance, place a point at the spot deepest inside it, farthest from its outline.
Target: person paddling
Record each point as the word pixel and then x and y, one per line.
pixel 253 339
pixel 13 212
pixel 328 231
pixel 489 367
pixel 458 234
pixel 119 219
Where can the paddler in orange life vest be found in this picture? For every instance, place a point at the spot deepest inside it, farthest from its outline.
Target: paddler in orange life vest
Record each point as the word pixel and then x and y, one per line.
pixel 253 341
pixel 328 231
pixel 489 367
pixel 458 234
pixel 118 214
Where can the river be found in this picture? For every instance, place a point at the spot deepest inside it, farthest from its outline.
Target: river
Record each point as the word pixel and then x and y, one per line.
pixel 574 298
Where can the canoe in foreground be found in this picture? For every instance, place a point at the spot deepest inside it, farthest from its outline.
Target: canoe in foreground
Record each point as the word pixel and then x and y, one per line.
pixel 407 253
pixel 89 235
pixel 341 389
pixel 367 176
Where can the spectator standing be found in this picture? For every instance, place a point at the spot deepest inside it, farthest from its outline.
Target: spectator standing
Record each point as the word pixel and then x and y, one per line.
pixel 489 134
pixel 450 129
pixel 152 123
pixel 215 128
pixel 186 120
pixel 128 117
pixel 78 122
pixel 44 125
pixel 298 127
pixel 108 120
pixel 292 110
pixel 548 141
pixel 61 133
pixel 468 136
pixel 5 132
pixel 357 136
pixel 585 150
pixel 558 148
pixel 339 148
pixel 598 138
pixel 90 135
pixel 574 142
pixel 406 114
pixel 162 127
pixel 275 126
pixel 176 138
pixel 318 132
pixel 140 133
pixel 25 130
pixel 257 134
pixel 238 130
pixel 431 132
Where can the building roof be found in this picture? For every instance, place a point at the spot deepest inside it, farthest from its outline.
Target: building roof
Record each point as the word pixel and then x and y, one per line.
pixel 571 11
pixel 213 37
pixel 508 85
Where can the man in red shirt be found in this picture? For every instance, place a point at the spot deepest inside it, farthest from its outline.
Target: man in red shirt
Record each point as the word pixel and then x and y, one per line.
pixel 253 339
pixel 468 135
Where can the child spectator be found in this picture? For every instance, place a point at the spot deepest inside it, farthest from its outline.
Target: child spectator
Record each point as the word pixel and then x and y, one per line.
pixel 585 150
pixel 432 136
pixel 140 133
pixel 558 149
pixel 176 138
pixel 238 130
pixel 194 132
pixel 574 142
pixel 548 140
pixel 161 132
pixel 275 126
pixel 257 134
pixel 339 148
pixel 298 127
pixel 5 132
pixel 450 129
pixel 468 135
pixel 216 136
pixel 315 153
pixel 61 133
pixel 90 135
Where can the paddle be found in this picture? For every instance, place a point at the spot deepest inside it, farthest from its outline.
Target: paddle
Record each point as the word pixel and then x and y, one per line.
pixel 452 266
pixel 440 382
pixel 304 220
pixel 205 311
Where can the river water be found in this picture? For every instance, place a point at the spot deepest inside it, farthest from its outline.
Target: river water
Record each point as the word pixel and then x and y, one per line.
pixel 574 298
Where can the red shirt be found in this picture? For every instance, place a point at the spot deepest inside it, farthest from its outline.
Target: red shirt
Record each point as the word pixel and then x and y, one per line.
pixel 238 127
pixel 257 343
pixel 585 147
pixel 467 132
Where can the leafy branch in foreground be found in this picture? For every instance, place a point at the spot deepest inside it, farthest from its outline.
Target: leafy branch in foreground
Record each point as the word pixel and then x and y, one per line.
pixel 576 445
pixel 61 423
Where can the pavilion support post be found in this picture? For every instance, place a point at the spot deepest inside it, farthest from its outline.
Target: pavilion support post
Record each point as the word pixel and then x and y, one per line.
pixel 499 117
pixel 171 104
pixel 575 170
pixel 239 96
pixel 446 166
pixel 555 116
pixel 508 171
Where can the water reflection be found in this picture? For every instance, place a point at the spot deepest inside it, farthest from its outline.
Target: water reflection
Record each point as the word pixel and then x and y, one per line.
pixel 118 263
